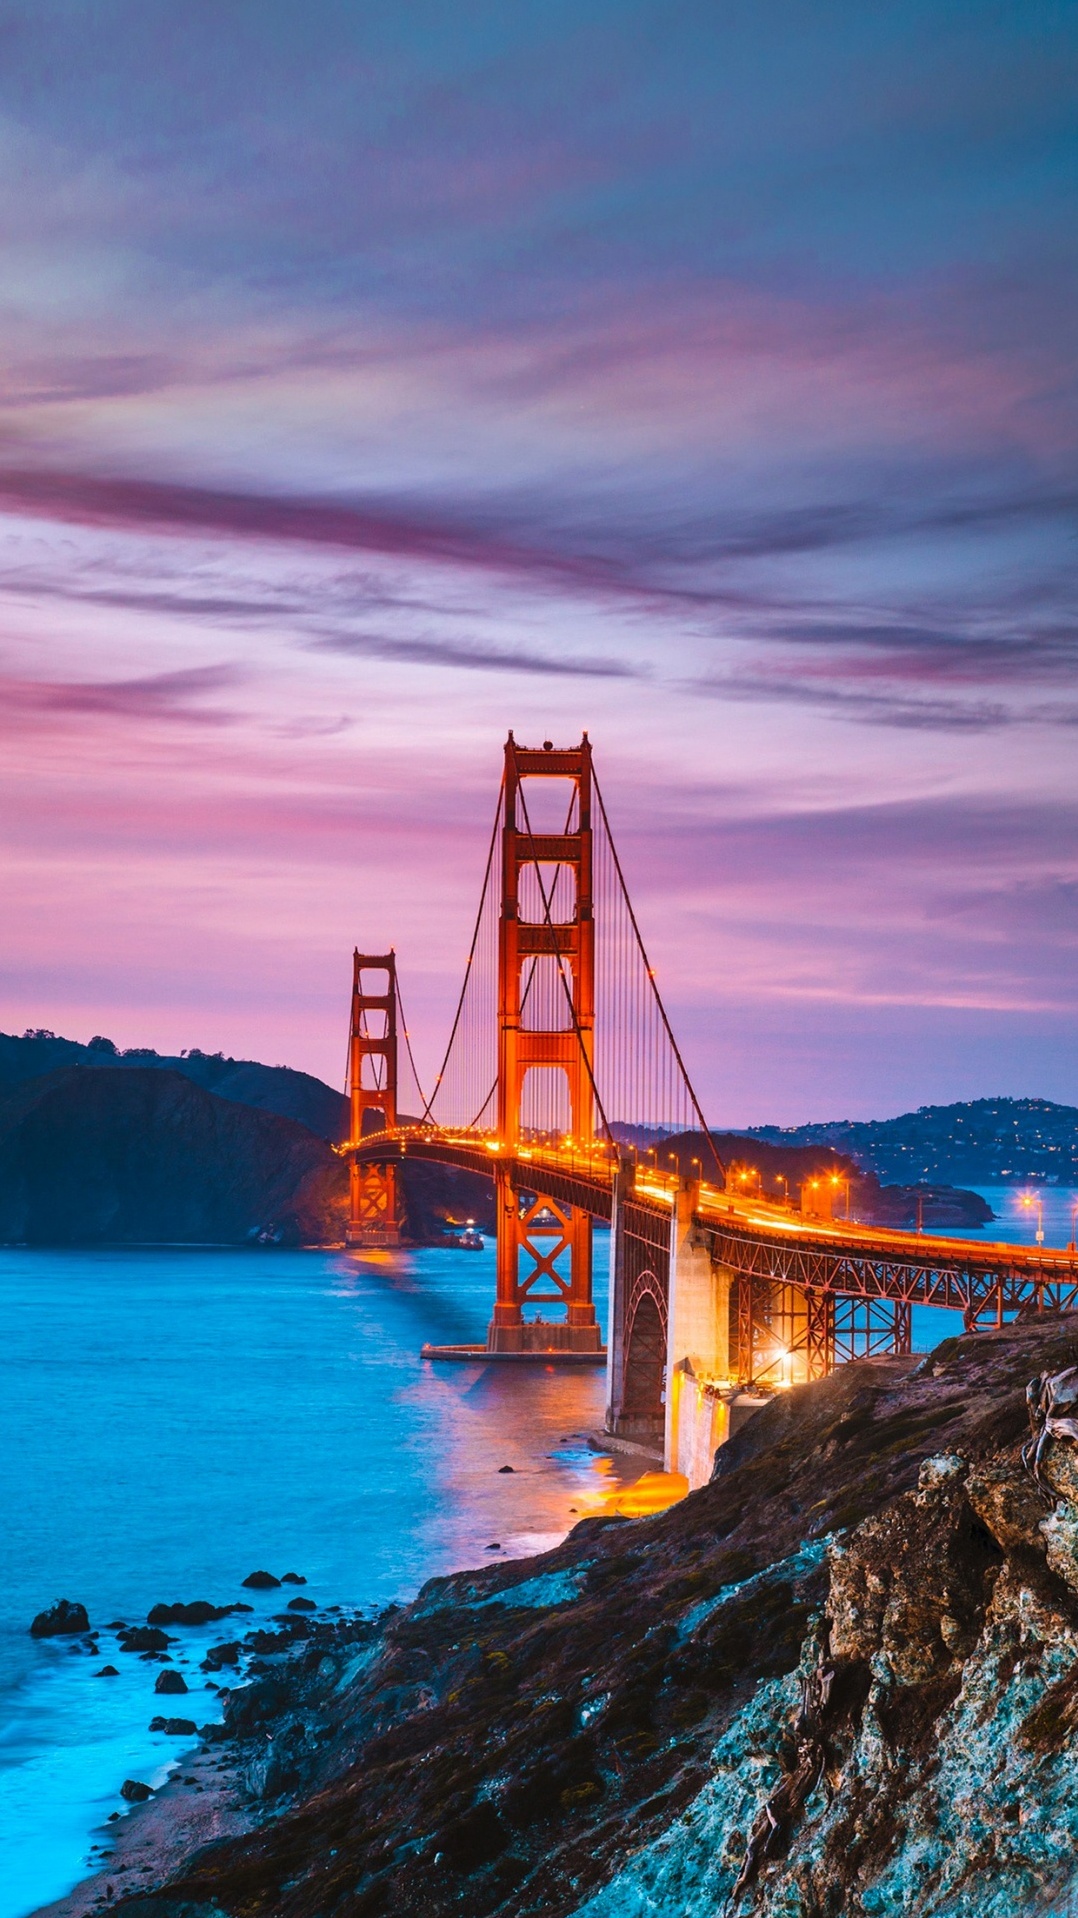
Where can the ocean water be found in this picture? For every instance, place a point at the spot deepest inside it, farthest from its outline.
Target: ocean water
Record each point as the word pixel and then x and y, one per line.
pixel 173 1420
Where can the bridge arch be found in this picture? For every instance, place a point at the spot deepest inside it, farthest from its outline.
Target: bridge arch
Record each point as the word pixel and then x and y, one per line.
pixel 645 1360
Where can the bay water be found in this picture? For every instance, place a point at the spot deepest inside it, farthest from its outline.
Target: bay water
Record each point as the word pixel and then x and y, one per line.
pixel 173 1419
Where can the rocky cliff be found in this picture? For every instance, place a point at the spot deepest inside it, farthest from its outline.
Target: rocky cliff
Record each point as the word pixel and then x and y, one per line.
pixel 841 1681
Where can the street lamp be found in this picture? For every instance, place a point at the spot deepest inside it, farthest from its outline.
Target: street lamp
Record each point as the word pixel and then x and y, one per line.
pixel 1073 1247
pixel 1034 1202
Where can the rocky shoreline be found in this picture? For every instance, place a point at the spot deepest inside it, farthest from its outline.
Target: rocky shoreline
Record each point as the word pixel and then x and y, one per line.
pixel 839 1681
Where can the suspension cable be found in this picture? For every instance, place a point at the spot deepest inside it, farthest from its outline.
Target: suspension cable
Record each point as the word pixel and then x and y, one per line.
pixel 649 969
pixel 471 955
pixel 408 1042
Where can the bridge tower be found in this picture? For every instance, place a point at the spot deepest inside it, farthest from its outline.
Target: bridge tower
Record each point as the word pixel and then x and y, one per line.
pixel 546 1025
pixel 374 1212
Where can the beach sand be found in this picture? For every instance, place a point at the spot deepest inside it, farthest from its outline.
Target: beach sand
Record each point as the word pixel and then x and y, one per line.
pixel 155 1838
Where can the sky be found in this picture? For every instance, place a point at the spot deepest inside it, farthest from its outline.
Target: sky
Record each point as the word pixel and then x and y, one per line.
pixel 379 379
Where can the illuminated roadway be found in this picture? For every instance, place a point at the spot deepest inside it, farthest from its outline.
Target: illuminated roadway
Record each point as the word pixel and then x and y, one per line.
pixel 752 1237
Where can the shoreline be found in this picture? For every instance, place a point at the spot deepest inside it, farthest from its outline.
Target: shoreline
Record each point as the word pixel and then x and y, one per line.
pixel 156 1839
pixel 608 1726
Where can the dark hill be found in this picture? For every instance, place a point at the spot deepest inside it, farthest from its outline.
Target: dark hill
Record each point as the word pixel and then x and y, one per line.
pixel 144 1156
pixel 292 1095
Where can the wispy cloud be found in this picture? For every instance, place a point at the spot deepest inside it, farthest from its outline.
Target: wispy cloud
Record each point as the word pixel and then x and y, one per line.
pixel 167 696
pixel 476 656
pixel 897 709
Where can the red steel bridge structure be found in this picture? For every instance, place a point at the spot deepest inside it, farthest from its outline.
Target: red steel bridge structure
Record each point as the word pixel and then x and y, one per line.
pixel 560 1065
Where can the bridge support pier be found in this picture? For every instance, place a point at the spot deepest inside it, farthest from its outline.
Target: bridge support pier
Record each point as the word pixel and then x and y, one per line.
pixel 539 1231
pixel 617 1297
pixel 697 1346
pixel 374 1215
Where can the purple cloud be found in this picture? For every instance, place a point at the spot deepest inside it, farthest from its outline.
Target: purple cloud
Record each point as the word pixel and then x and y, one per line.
pixel 158 696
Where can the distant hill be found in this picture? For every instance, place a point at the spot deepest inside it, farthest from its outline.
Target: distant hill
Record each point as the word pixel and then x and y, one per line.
pixel 979 1142
pixel 146 1156
pixel 195 1150
pixel 779 1170
pixel 292 1095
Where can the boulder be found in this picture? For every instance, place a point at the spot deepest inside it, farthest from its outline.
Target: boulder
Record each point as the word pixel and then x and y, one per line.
pixel 158 1724
pixel 144 1638
pixel 170 1682
pixel 219 1655
pixel 302 1605
pixel 292 1578
pixel 198 1612
pixel 135 1792
pixel 262 1582
pixel 107 1671
pixel 60 1620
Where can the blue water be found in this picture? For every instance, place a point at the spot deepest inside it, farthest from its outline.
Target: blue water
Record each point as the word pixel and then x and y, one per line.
pixel 172 1420
pixel 1015 1223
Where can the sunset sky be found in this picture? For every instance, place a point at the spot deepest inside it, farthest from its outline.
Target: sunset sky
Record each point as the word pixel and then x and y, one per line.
pixel 379 378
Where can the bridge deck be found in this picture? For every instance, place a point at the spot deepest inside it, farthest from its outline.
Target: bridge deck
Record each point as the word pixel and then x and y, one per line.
pixel 766 1241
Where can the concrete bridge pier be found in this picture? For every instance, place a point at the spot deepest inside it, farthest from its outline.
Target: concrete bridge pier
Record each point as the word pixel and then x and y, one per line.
pixel 616 1328
pixel 698 1383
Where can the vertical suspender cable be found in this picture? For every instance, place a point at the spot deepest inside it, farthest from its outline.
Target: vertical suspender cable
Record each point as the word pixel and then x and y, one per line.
pixel 661 1009
pixel 470 958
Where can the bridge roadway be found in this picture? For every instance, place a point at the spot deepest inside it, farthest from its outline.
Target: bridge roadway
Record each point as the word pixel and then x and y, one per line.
pixel 752 1238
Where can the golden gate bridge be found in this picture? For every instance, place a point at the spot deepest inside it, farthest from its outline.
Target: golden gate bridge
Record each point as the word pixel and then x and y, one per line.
pixel 560 1060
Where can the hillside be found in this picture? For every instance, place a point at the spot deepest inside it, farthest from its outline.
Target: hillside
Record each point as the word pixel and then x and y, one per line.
pixel 780 1170
pixel 145 1156
pixel 980 1142
pixel 840 1681
pixel 292 1095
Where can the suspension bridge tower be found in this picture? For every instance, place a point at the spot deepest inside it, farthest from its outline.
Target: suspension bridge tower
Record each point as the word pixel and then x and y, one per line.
pixel 546 1025
pixel 374 1209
